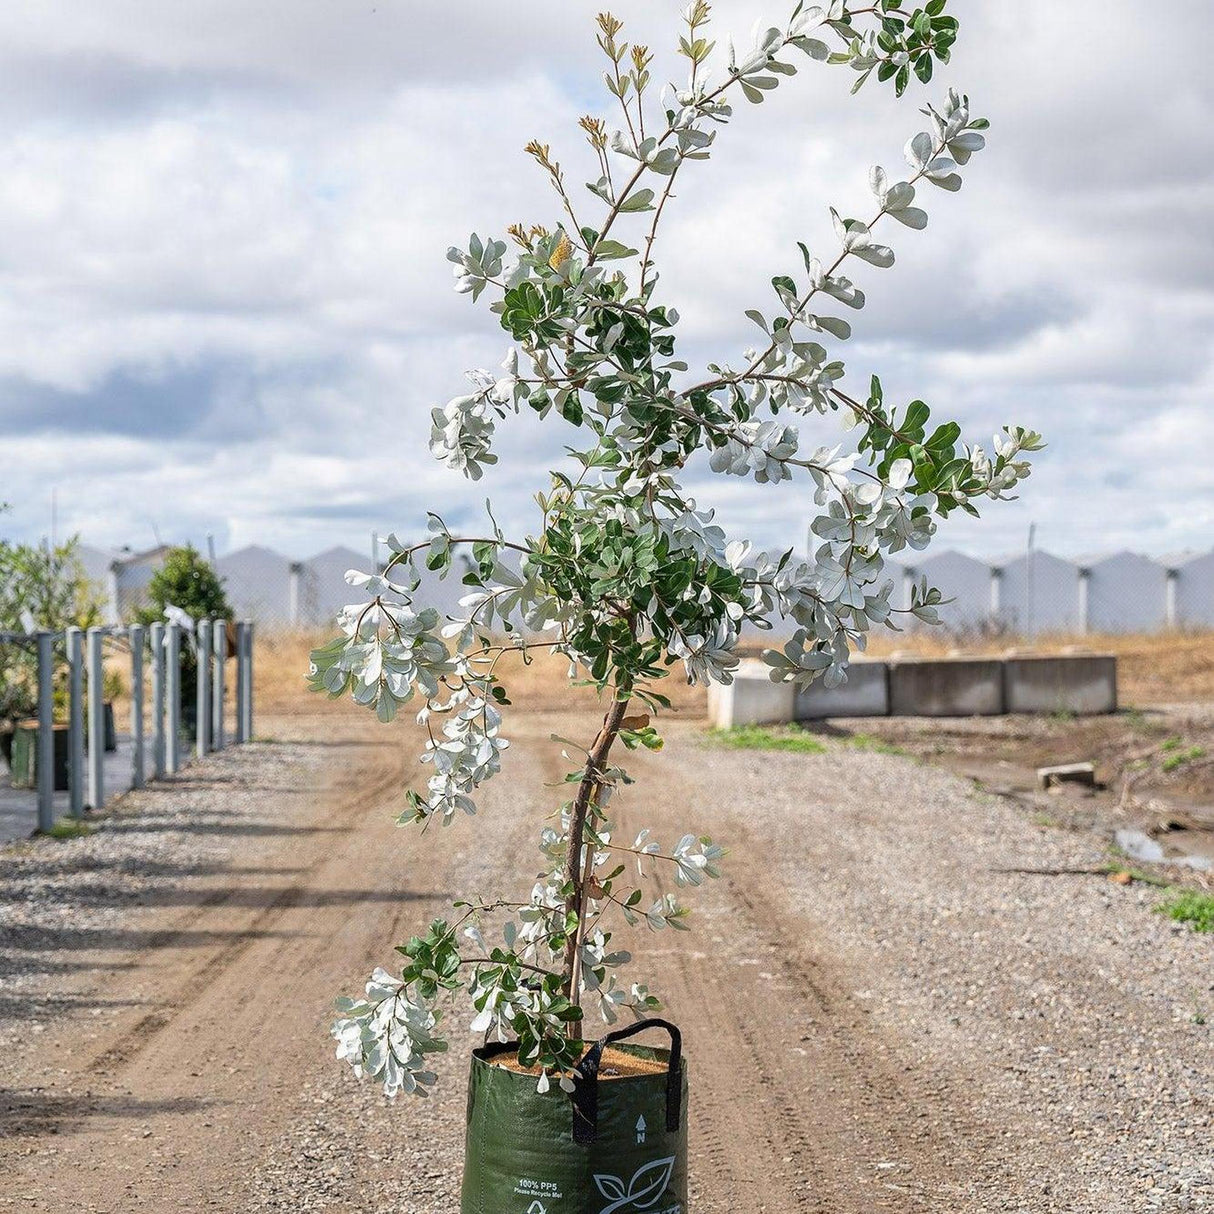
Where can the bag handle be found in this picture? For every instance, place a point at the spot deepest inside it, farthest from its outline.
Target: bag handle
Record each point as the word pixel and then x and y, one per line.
pixel 586 1080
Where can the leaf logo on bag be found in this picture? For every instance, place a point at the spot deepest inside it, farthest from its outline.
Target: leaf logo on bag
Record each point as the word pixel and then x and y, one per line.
pixel 646 1189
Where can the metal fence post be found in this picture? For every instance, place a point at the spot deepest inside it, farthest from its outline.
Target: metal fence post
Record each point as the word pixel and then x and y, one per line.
pixel 241 677
pixel 249 635
pixel 219 645
pixel 75 719
pixel 135 636
pixel 45 754
pixel 158 748
pixel 96 693
pixel 294 577
pixel 172 691
pixel 202 729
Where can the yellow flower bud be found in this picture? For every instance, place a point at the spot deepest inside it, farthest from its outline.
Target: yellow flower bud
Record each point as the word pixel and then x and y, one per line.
pixel 562 252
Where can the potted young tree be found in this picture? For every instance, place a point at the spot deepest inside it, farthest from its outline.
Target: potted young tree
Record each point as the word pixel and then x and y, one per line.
pixel 627 577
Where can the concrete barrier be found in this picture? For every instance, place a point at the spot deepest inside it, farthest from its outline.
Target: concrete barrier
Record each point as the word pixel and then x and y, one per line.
pixel 1083 684
pixel 865 694
pixel 751 699
pixel 924 687
pixel 946 687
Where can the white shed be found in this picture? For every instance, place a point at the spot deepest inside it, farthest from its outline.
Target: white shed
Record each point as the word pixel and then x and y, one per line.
pixel 1194 591
pixel 324 590
pixel 1126 592
pixel 256 581
pixel 1038 593
pixel 960 578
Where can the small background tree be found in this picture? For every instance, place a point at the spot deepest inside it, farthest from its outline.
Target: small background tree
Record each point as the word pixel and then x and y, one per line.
pixel 186 581
pixel 45 587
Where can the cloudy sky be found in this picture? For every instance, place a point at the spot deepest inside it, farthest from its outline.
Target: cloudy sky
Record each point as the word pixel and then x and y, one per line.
pixel 225 306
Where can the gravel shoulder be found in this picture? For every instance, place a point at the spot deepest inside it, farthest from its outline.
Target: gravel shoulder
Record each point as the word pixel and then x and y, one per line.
pixel 876 1019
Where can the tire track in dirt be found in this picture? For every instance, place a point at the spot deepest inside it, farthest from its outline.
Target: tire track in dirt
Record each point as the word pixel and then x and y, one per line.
pixel 193 1067
pixel 796 1098
pixel 352 796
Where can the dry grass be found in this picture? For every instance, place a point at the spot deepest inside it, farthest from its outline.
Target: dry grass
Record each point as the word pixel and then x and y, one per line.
pixel 280 671
pixel 540 684
pixel 1172 667
pixel 1154 668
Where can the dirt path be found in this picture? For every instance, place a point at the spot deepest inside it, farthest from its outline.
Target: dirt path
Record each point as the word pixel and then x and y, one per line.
pixel 166 1048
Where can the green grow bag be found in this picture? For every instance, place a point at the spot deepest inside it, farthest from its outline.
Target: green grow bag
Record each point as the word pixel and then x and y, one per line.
pixel 614 1146
pixel 24 755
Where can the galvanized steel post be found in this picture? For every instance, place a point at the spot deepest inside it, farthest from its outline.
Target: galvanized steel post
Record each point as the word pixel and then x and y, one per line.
pixel 96 726
pixel 248 680
pixel 75 721
pixel 172 691
pixel 219 646
pixel 44 758
pixel 241 678
pixel 135 637
pixel 202 730
pixel 156 633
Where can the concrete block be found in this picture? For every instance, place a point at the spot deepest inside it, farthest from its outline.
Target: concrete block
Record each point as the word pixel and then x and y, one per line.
pixel 1082 684
pixel 949 687
pixel 751 699
pixel 1067 773
pixel 865 694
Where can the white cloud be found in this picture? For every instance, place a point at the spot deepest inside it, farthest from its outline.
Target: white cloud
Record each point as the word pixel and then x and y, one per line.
pixel 224 304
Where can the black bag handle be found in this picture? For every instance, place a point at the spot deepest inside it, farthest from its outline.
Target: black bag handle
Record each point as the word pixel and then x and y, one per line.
pixel 586 1080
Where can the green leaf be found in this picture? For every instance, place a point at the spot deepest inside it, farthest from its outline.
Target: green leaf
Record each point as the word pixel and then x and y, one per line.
pixel 571 410
pixel 639 200
pixel 917 414
pixel 944 438
pixel 611 250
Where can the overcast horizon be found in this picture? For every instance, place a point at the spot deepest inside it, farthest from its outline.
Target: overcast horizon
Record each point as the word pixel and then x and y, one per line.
pixel 225 305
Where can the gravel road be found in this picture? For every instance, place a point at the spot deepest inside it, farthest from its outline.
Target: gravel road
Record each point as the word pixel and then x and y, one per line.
pixel 876 1020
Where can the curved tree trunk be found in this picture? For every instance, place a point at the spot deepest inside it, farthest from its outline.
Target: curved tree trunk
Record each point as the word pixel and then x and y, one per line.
pixel 578 870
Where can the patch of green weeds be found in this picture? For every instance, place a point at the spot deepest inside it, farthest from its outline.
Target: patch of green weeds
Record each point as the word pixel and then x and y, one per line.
pixel 1178 758
pixel 768 737
pixel 1191 906
pixel 69 828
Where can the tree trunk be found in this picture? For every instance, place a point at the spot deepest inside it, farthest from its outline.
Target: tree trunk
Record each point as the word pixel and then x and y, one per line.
pixel 576 873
